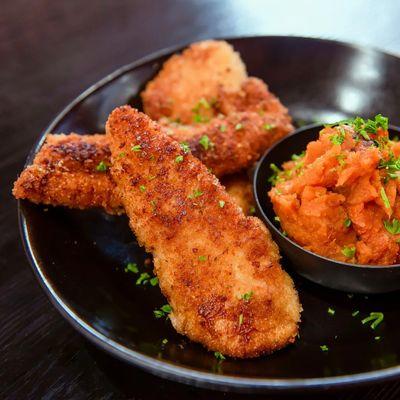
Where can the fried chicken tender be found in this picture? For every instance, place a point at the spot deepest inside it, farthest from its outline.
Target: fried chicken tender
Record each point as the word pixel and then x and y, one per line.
pixel 64 173
pixel 239 187
pixel 198 73
pixel 218 268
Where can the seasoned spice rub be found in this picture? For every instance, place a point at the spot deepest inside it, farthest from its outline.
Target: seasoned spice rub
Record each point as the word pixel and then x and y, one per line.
pixel 218 268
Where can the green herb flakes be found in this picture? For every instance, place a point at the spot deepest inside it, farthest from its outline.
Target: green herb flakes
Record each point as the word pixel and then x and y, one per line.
pixel 238 126
pixel 178 159
pixel 185 147
pixel 221 203
pixel 131 267
pixel 274 178
pixel 196 193
pixel 102 166
pixel 392 227
pixel 136 148
pixel 384 198
pixel 349 251
pixel 355 313
pixel 154 281
pixel 268 127
pixel 202 258
pixel 219 356
pixel 142 188
pixel 247 296
pixel 347 223
pixel 324 347
pixel 331 311
pixel 205 142
pixel 143 278
pixel 376 317
pixel 163 311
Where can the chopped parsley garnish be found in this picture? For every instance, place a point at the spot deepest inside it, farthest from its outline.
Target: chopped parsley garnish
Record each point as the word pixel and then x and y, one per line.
pixel 376 317
pixel 102 166
pixel 247 296
pixel 131 267
pixel 238 126
pixel 143 278
pixel 179 159
pixel 338 138
pixel 274 178
pixel 349 251
pixel 324 347
pixel 384 198
pixel 268 127
pixel 277 219
pixel 377 338
pixel 142 188
pixel 366 127
pixel 241 319
pixel 341 158
pixel 203 104
pixel 347 222
pixel 331 311
pixel 196 193
pixel 202 258
pixel 221 203
pixel 164 341
pixel 185 147
pixel 136 148
pixel 154 281
pixel 205 142
pixel 392 166
pixel 297 157
pixel 222 128
pixel 219 356
pixel 121 155
pixel 252 210
pixel 200 118
pixel 392 227
pixel 163 311
pixel 355 313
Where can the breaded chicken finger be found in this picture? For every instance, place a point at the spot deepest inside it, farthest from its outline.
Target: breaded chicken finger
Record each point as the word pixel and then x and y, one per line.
pixel 218 268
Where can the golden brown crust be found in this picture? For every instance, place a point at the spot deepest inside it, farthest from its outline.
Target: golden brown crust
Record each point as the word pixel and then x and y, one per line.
pixel 239 187
pixel 199 72
pixel 206 256
pixel 64 173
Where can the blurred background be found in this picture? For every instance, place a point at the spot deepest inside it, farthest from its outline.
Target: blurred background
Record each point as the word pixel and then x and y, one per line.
pixel 50 51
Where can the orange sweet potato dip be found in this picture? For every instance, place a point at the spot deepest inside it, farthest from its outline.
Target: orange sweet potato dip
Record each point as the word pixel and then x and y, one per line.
pixel 340 198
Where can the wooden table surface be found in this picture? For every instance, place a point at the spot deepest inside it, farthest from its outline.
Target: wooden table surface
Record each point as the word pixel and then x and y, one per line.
pixel 50 51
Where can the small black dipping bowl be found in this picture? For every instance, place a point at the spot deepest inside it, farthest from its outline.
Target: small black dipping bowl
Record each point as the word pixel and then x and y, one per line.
pixel 327 272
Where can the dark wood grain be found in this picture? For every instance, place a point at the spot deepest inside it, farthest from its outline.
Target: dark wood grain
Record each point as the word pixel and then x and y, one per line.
pixel 50 52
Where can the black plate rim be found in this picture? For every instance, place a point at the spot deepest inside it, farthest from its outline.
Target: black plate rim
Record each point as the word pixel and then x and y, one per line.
pixel 257 197
pixel 162 368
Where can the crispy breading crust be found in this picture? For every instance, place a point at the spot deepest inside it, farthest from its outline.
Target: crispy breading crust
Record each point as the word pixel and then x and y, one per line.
pixel 206 256
pixel 185 78
pixel 64 173
pixel 239 187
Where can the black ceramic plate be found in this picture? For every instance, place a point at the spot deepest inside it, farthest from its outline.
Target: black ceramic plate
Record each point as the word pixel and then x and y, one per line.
pixel 79 256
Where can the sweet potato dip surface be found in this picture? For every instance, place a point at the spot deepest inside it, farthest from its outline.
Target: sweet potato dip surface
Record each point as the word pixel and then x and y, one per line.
pixel 339 198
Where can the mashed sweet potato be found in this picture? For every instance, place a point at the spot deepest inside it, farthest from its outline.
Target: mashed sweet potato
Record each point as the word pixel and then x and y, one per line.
pixel 340 198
